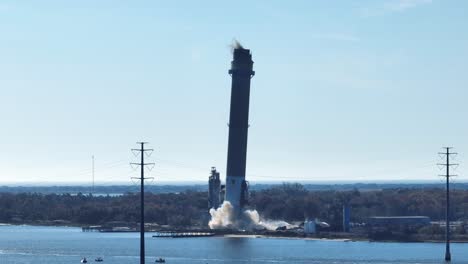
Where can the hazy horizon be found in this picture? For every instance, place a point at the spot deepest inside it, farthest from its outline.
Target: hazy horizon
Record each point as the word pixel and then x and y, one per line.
pixel 183 183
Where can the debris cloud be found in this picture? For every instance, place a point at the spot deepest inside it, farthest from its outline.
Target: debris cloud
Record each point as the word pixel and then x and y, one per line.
pixel 235 45
pixel 224 218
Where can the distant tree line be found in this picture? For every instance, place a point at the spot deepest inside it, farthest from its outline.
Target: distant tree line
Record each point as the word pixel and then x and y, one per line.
pixel 121 189
pixel 175 209
pixel 289 202
pixel 102 189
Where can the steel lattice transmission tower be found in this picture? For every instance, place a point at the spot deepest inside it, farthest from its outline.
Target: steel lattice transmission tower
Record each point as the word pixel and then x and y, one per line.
pixel 447 165
pixel 142 179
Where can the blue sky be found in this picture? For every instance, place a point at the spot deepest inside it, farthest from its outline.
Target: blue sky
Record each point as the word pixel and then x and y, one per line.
pixel 344 90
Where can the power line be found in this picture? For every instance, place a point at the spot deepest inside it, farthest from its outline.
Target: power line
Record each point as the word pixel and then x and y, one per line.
pixel 447 176
pixel 142 178
pixel 104 165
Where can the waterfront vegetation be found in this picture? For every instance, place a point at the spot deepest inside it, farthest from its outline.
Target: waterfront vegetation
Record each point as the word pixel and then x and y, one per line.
pixel 289 202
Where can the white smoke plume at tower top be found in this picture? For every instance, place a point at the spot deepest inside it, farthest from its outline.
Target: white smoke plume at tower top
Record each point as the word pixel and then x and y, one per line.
pixel 235 45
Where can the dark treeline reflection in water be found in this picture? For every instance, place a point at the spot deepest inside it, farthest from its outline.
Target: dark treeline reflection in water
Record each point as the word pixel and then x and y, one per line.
pixel 28 244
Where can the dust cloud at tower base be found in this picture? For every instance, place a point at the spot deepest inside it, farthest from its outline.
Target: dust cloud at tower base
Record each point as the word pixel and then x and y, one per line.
pixel 225 217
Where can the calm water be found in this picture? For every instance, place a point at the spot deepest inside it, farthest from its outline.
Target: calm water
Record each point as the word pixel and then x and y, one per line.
pixel 26 244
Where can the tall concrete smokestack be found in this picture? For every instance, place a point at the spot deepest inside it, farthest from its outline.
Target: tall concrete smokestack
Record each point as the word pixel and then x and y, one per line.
pixel 241 72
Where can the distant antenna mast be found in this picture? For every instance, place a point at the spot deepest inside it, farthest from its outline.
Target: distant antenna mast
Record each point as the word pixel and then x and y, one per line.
pixel 447 165
pixel 142 179
pixel 92 157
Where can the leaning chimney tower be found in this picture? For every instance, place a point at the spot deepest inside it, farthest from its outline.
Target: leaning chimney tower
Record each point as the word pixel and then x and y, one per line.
pixel 241 73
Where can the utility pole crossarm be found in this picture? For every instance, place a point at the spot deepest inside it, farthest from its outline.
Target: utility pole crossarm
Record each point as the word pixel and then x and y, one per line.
pixel 145 178
pixel 142 150
pixel 142 164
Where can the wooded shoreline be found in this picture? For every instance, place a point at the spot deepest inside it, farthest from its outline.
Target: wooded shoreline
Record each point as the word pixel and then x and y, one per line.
pixel 288 202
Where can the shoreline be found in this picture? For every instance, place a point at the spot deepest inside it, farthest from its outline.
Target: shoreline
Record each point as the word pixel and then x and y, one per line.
pixel 263 236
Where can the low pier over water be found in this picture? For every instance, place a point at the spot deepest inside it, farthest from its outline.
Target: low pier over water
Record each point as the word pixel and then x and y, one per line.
pixel 174 234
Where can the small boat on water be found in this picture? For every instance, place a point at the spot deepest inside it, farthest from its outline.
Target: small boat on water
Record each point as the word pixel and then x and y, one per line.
pixel 160 260
pixel 84 260
pixel 99 259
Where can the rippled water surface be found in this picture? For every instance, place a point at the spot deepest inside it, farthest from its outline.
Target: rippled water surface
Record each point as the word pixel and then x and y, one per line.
pixel 27 244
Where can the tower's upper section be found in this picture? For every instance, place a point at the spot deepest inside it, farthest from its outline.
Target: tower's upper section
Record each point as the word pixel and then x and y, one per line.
pixel 242 62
